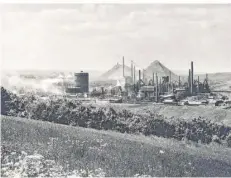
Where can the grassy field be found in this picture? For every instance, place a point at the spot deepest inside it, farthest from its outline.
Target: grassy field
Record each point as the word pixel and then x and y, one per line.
pixel 212 113
pixel 115 153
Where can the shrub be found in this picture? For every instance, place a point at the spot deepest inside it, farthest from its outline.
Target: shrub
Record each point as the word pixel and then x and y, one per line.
pixel 228 140
pixel 72 112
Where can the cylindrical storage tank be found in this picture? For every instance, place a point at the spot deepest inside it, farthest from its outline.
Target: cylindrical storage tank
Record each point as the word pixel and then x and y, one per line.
pixel 82 81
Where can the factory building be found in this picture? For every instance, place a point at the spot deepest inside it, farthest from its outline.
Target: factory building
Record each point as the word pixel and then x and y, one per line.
pixel 82 81
pixel 81 84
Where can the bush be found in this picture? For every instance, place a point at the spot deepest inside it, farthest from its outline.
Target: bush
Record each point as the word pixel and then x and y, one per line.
pixel 228 140
pixel 72 112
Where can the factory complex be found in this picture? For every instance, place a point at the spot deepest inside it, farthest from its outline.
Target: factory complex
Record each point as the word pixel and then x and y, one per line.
pixel 156 83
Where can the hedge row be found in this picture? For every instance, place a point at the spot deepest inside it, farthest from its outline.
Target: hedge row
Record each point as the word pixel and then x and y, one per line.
pixel 72 112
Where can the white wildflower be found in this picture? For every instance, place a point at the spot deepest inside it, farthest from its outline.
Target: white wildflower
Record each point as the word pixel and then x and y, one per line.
pixel 161 152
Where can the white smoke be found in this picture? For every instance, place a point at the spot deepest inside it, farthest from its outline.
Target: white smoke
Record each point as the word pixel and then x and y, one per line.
pixel 18 84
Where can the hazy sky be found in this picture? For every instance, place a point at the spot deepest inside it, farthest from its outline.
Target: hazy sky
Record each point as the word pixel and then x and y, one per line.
pixel 74 36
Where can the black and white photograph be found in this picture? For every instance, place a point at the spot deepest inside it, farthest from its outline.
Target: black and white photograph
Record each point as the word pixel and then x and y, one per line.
pixel 115 89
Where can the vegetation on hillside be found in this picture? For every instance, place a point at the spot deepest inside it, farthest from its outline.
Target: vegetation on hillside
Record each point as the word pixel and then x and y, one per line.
pixel 72 112
pixel 77 151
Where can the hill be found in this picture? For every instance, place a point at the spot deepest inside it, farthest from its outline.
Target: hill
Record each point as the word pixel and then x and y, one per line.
pixel 220 81
pixel 217 81
pixel 160 69
pixel 187 113
pixel 116 73
pixel 116 154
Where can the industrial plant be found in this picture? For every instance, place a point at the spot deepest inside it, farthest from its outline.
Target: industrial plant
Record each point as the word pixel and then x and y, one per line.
pixel 156 83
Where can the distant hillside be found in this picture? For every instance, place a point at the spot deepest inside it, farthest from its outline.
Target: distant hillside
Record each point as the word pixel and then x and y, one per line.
pixel 217 81
pixel 218 76
pixel 116 72
pixel 160 69
pixel 220 81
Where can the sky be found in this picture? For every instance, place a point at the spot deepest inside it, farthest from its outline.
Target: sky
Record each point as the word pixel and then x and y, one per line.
pixel 96 36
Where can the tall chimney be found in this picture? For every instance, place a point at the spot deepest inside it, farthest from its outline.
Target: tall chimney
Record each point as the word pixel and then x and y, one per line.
pixel 153 77
pixel 160 86
pixel 168 86
pixel 192 82
pixel 189 81
pixel 143 74
pixel 157 90
pixel 179 81
pixel 123 66
pixel 132 71
pixel 139 75
pixel 139 79
pixel 198 89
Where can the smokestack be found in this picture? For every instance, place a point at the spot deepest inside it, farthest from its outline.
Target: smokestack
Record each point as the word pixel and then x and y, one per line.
pixel 139 75
pixel 143 74
pixel 160 86
pixel 168 86
pixel 179 81
pixel 157 88
pixel 189 81
pixel 123 66
pixel 198 84
pixel 153 76
pixel 139 78
pixel 132 71
pixel 192 77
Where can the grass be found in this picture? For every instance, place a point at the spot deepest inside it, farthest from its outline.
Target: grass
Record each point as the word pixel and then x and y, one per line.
pixel 187 113
pixel 115 153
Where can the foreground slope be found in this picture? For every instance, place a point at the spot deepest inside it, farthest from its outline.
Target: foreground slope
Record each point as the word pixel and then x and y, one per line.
pixel 117 154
